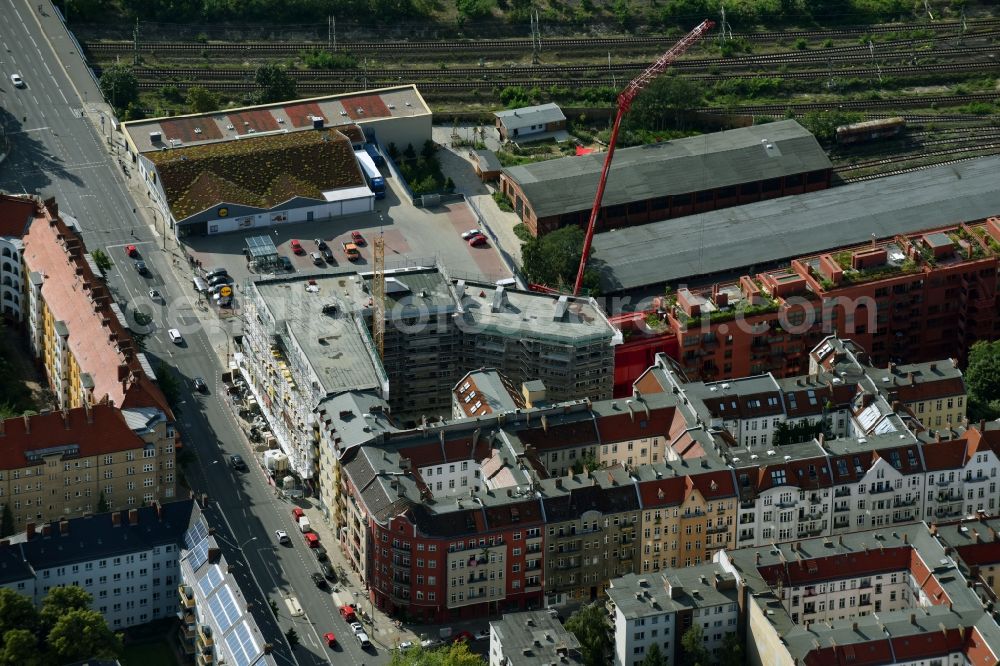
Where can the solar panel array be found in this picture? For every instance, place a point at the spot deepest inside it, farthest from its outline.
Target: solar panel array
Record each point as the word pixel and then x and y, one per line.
pixel 211 580
pixel 197 532
pixel 198 555
pixel 224 609
pixel 242 646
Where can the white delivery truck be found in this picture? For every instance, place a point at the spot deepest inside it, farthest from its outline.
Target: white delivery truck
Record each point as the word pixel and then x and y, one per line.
pixel 304 524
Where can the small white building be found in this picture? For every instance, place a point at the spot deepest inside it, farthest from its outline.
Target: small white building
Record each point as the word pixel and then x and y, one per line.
pixel 533 638
pixel 660 608
pixel 530 123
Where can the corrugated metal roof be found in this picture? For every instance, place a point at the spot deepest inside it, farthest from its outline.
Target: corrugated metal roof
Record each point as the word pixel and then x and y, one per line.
pixel 530 115
pixel 686 165
pixel 770 231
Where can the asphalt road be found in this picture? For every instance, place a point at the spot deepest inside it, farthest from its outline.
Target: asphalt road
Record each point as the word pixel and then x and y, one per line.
pixel 57 151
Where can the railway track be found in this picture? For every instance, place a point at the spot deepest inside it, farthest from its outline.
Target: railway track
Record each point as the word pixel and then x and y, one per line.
pixel 490 45
pixel 584 71
pixel 909 158
pixel 921 167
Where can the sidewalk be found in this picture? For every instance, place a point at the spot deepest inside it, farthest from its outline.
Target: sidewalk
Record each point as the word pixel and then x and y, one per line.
pixel 383 630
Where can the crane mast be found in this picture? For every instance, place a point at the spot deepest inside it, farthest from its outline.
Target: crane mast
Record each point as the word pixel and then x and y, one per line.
pixel 625 99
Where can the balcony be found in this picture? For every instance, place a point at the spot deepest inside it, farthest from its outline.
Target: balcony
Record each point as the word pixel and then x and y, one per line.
pixel 903 501
pixel 785 504
pixel 186 595
pixel 205 658
pixel 949 496
pixel 205 636
pixel 816 531
pixel 746 536
pixel 839 524
pixel 879 488
pixel 976 479
pixel 842 492
pixel 713 529
pixel 841 507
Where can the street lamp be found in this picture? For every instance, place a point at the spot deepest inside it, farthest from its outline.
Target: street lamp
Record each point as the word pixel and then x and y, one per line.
pixel 163 226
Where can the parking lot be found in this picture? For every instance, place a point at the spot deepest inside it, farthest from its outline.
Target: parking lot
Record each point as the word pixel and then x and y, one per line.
pixel 411 235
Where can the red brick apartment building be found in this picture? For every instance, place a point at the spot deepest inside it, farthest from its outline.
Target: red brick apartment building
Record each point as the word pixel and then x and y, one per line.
pixel 910 298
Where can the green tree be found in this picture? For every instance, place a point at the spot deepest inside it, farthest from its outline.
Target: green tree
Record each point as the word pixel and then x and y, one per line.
pixel 61 601
pixel 428 150
pixel 134 111
pixel 693 652
pixel 120 86
pixel 653 656
pixel 17 612
pixel 292 637
pixel 6 522
pixel 554 258
pixel 202 100
pixel 20 648
pixel 456 654
pixel 824 124
pixel 82 634
pixel 472 9
pixel 731 652
pixel 665 103
pixel 102 504
pixel 168 383
pixel 982 380
pixel 589 626
pixel 102 259
pixel 275 83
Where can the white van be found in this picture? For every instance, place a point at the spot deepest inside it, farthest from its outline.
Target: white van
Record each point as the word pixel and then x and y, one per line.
pixel 363 640
pixel 507 283
pixel 304 524
pixel 175 336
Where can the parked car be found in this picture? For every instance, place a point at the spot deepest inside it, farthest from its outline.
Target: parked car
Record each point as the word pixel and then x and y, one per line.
pixel 321 244
pixel 328 256
pixel 329 639
pixel 357 628
pixel 282 536
pixel 297 247
pixel 327 571
pixel 470 233
pixel 297 513
pixel 132 251
pixel 237 463
pixel 199 385
pixel 318 580
pixel 358 238
pixel 363 640
pixel 318 259
pixel 312 539
pixel 215 272
pixel 463 637
pixel 347 613
pixel 405 645
pixel 219 280
pixel 477 241
pixel 429 643
pixel 286 263
pixel 320 553
pixel 17 80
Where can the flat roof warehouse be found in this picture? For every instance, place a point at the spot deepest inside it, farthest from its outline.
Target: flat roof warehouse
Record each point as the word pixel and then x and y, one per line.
pixel 758 234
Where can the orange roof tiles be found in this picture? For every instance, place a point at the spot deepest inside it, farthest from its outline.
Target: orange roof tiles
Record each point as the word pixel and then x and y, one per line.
pixel 257 120
pixel 105 432
pixel 302 114
pixel 184 129
pixel 370 106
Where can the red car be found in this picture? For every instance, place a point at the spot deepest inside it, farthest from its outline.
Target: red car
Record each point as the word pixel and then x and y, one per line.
pixel 477 240
pixel 312 539
pixel 132 251
pixel 297 247
pixel 357 238
pixel 463 637
pixel 297 513
pixel 329 639
pixel 347 613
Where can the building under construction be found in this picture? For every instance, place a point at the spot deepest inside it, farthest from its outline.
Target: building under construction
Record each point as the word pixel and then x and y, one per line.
pixel 310 344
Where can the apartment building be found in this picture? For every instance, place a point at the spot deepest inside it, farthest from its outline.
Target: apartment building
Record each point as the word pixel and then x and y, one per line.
pixel 436 330
pixel 689 512
pixel 16 214
pixel 889 596
pixel 919 297
pixel 126 560
pixel 533 638
pixel 590 534
pixel 976 546
pixel 485 391
pixel 217 624
pixel 661 606
pixel 64 464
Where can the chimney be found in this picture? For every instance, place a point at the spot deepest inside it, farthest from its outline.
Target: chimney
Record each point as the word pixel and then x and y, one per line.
pixel 63 527
pixel 116 518
pixel 27 424
pixel 159 511
pixel 90 412
pixel 133 517
pixel 975 536
pixel 65 415
pixel 913 619
pixel 854 626
pixel 213 555
pixel 29 529
pixel 46 530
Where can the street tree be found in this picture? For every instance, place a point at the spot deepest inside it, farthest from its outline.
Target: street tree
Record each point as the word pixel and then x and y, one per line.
pixel 292 637
pixel 16 612
pixel 275 84
pixel 63 600
pixel 982 380
pixel 82 634
pixel 654 657
pixel 590 628
pixel 693 652
pixel 666 102
pixel 456 654
pixel 120 86
pixel 731 652
pixel 202 100
pixel 20 648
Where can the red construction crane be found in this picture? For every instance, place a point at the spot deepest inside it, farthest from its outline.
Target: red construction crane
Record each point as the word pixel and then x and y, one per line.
pixel 625 99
